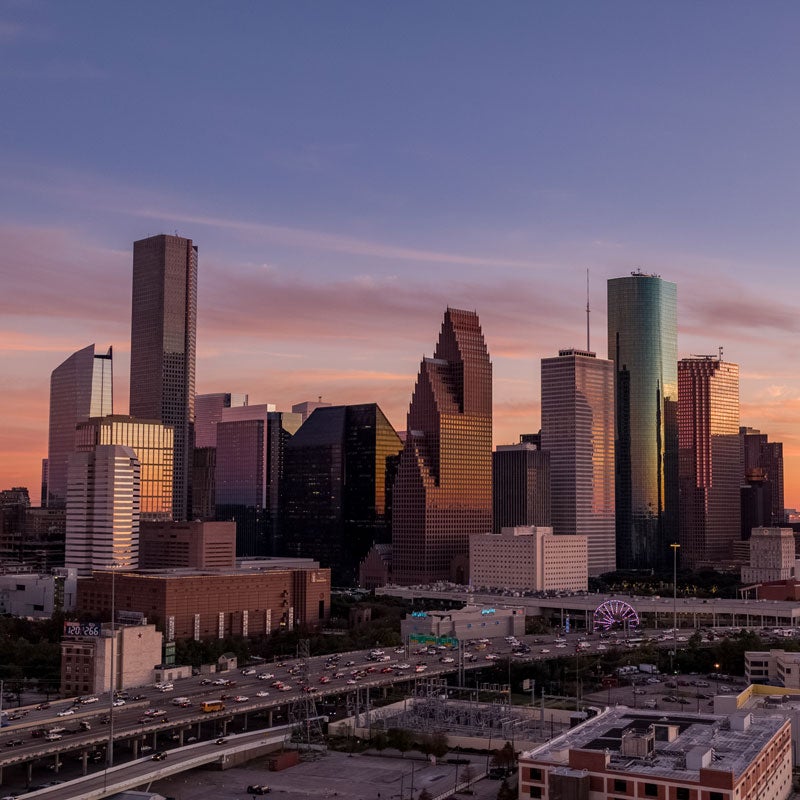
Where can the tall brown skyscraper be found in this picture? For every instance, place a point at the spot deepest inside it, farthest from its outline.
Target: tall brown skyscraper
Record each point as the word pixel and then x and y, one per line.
pixel 163 334
pixel 443 491
pixel 708 459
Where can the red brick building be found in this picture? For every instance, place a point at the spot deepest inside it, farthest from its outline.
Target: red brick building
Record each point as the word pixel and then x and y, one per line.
pixel 213 604
pixel 624 754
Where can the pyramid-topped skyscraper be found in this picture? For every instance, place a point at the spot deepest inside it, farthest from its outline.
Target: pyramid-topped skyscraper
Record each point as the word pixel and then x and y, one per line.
pixel 443 491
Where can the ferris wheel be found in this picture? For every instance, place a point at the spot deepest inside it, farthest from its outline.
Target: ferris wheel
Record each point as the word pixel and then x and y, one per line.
pixel 615 613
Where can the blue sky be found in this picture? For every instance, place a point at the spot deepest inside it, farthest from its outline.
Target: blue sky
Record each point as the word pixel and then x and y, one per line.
pixel 348 169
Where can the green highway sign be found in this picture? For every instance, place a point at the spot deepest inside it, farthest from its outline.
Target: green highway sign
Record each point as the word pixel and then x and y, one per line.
pixel 426 638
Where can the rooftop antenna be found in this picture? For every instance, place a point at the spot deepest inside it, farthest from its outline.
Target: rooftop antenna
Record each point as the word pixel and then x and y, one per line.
pixel 720 352
pixel 588 348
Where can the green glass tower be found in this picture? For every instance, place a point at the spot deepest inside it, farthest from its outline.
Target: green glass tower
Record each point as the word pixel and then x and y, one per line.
pixel 643 344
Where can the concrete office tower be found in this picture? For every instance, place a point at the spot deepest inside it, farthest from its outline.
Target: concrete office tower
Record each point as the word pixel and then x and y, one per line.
pixel 208 412
pixel 103 509
pixel 443 491
pixel 249 469
pixel 772 556
pixel 709 470
pixel 643 344
pixel 153 444
pixel 80 388
pixel 520 486
pixel 163 333
pixel 578 433
pixel 340 467
pixel 763 458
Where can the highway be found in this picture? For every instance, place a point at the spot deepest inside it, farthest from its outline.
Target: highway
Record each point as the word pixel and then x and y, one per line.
pixel 138 730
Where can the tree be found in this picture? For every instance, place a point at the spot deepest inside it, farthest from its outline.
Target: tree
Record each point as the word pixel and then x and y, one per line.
pixel 505 792
pixel 438 745
pixel 380 741
pixel 424 795
pixel 505 756
pixel 400 739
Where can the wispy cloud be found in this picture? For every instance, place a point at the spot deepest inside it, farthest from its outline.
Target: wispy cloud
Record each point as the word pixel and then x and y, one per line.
pixel 318 240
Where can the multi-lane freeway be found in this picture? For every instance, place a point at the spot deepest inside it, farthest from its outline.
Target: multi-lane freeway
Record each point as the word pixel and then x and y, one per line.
pixel 256 697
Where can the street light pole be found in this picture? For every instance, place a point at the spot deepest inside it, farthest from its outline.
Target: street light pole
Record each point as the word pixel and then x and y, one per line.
pixel 674 547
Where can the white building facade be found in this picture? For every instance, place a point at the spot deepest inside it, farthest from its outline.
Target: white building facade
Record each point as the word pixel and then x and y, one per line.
pixel 103 497
pixel 529 558
pixel 772 556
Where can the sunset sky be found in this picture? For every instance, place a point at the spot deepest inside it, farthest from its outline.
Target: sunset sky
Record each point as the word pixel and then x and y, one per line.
pixel 349 169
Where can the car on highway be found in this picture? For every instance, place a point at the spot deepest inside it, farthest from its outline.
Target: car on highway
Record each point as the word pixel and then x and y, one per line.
pixel 158 756
pixel 14 743
pixel 544 650
pixel 66 712
pixel 240 698
pixel 86 700
pixel 256 788
pixel 118 703
pixel 53 737
pixel 265 676
pixel 45 706
pixel 447 660
pixel 262 693
pixel 351 681
pixel 404 666
pixel 248 671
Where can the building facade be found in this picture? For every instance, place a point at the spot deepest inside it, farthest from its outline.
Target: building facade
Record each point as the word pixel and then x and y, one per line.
pixel 465 624
pixel 80 388
pixel 763 458
pixel 709 471
pixel 520 486
pixel 307 408
pixel 772 556
pixel 578 434
pixel 208 412
pixel 163 344
pixel 443 490
pixel 339 471
pixel 102 509
pixel 178 545
pixel 251 442
pixel 643 344
pixel 529 559
pixel 153 444
pixel 86 661
pixel 215 604
pixel 773 668
pixel 624 753
pixel 37 596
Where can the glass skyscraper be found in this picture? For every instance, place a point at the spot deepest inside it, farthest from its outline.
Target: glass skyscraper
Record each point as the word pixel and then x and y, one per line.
pixel 709 466
pixel 643 344
pixel 443 490
pixel 80 388
pixel 163 334
pixel 578 435
pixel 338 476
pixel 153 444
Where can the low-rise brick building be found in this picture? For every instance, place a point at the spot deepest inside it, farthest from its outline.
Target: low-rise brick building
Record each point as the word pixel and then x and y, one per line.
pixel 213 604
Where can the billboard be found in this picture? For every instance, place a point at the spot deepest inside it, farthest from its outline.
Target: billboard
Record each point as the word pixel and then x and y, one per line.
pixel 81 628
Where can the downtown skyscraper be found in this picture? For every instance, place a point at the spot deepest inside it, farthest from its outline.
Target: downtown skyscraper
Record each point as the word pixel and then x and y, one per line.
pixel 578 435
pixel 709 466
pixel 80 387
pixel 443 490
pixel 643 344
pixel 163 342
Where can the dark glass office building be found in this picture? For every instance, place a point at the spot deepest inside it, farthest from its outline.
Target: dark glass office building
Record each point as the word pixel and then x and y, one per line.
pixel 163 334
pixel 443 491
pixel 520 486
pixel 643 344
pixel 339 470
pixel 249 467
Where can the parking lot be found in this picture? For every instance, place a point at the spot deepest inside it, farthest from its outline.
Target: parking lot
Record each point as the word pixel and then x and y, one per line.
pixel 327 775
pixel 667 692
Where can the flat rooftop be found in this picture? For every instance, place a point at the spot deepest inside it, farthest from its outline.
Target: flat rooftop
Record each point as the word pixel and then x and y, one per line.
pixel 733 750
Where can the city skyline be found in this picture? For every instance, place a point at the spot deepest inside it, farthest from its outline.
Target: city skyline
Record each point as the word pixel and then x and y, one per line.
pixel 387 174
